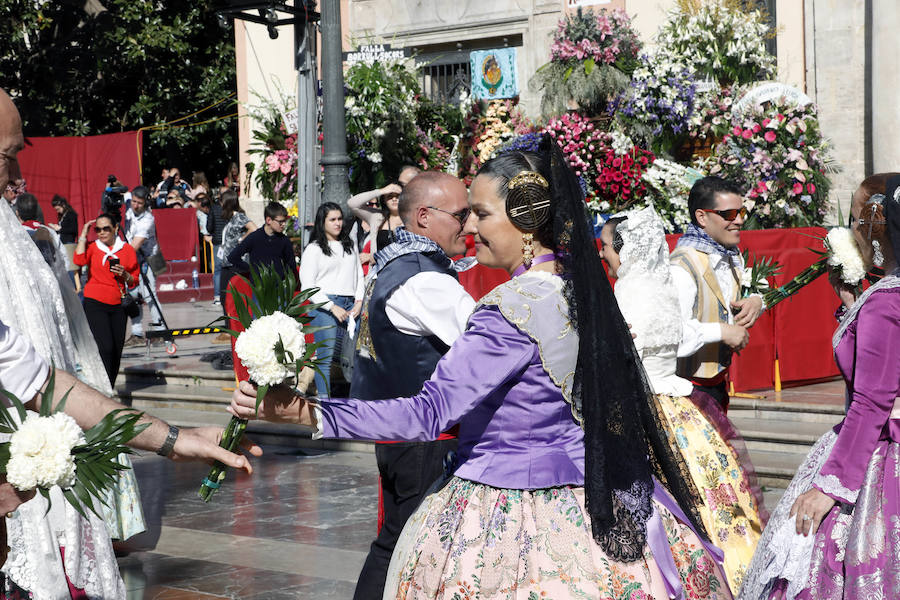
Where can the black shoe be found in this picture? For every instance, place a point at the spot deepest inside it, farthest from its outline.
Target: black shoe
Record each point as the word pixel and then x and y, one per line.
pixel 209 357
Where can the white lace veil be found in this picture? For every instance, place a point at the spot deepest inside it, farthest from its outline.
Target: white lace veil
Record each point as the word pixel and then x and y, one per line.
pixel 644 289
pixel 40 303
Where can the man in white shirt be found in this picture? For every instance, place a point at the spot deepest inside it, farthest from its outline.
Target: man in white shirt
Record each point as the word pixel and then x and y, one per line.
pixel 140 232
pixel 414 310
pixel 706 271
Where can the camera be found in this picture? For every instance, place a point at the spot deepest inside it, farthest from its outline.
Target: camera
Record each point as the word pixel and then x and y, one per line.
pixel 113 198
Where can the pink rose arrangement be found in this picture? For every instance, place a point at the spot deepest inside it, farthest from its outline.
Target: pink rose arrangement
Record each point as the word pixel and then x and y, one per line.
pixel 620 182
pixel 778 152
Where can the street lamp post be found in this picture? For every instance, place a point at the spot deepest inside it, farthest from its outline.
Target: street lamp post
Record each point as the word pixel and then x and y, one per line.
pixel 334 127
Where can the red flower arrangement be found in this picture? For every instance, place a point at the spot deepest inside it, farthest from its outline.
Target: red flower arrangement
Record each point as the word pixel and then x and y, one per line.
pixel 620 181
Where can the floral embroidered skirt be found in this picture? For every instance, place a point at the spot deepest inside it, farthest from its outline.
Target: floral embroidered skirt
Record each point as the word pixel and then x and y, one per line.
pixel 729 511
pixel 122 510
pixel 856 551
pixel 470 540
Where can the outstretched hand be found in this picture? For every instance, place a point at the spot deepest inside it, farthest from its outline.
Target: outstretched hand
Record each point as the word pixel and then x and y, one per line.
pixel 202 443
pixel 281 404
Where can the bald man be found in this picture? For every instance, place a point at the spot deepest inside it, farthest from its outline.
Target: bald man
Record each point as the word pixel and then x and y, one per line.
pixel 415 308
pixel 25 374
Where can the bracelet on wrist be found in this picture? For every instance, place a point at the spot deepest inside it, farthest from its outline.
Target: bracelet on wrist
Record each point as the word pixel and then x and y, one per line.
pixel 169 444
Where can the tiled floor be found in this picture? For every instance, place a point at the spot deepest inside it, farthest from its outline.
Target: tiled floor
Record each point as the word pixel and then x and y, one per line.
pixel 299 527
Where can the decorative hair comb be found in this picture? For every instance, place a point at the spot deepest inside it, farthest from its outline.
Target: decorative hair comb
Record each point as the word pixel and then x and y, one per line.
pixel 528 200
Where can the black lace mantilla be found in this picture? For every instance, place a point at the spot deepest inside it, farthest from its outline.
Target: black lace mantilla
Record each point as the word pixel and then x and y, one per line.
pixel 625 441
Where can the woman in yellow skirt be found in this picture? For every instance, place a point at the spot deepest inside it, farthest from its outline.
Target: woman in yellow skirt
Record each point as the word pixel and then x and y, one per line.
pixel 634 247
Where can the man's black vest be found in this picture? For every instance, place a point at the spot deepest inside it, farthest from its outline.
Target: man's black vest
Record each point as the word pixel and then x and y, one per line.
pixel 389 363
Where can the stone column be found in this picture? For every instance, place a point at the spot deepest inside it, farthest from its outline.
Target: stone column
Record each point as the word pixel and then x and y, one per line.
pixel 334 126
pixel 885 77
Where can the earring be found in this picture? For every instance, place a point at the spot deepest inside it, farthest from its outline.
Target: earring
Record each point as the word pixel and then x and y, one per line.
pixel 527 249
pixel 878 259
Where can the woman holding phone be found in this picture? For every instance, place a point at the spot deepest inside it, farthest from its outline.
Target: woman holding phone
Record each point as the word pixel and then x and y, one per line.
pixel 113 269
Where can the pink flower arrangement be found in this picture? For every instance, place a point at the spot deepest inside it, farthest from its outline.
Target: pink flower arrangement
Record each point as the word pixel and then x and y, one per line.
pixel 583 143
pixel 601 36
pixel 620 182
pixel 780 155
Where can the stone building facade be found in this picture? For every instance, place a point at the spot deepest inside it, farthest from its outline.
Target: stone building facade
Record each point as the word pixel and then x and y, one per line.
pixel 823 47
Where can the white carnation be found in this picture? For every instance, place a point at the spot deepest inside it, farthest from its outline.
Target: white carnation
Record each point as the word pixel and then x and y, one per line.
pixel 844 255
pixel 41 452
pixel 256 347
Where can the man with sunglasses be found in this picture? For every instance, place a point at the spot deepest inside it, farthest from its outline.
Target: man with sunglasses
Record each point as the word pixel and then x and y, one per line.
pixel 414 310
pixel 267 245
pixel 706 270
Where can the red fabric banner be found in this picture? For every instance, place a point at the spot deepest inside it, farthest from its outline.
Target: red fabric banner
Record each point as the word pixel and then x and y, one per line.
pixel 177 232
pixel 77 167
pixel 798 330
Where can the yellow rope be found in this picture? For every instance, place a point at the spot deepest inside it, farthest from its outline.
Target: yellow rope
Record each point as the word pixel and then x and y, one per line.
pixel 168 123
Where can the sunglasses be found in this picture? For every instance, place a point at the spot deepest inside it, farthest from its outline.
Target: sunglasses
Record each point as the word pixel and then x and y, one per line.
pixel 729 214
pixel 460 216
pixel 280 221
pixel 102 229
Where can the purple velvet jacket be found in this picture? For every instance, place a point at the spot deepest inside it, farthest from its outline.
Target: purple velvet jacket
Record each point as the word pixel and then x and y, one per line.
pixel 516 429
pixel 868 356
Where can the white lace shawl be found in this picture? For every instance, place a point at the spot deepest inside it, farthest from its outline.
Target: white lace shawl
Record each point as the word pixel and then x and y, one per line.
pixel 42 306
pixel 648 299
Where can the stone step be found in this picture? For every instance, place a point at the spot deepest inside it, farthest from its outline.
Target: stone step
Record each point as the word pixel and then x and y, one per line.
pixel 780 436
pixel 194 398
pixel 775 469
pixel 148 375
pixel 743 408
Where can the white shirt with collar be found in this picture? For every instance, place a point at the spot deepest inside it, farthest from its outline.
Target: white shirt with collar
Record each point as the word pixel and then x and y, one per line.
pixel 142 225
pixel 430 303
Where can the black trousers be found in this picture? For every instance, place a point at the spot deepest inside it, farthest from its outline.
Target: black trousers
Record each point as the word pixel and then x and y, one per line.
pixel 107 322
pixel 719 392
pixel 407 471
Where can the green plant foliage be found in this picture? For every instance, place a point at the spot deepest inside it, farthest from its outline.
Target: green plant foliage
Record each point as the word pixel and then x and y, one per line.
pixel 139 63
pixel 583 87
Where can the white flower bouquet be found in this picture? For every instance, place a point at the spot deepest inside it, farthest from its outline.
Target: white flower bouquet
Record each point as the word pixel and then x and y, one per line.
pixel 841 255
pixel 272 346
pixel 48 448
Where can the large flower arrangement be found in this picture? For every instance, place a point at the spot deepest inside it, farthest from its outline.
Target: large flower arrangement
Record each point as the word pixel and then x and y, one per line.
pixel 489 124
pixel 276 173
pixel 659 104
pixel 380 105
pixel 724 40
pixel 620 182
pixel 711 118
pixel 439 128
pixel 780 155
pixel 668 186
pixel 584 144
pixel 590 59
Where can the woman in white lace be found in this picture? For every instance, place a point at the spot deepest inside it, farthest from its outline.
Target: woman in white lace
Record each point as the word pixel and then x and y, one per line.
pixel 836 530
pixel 37 299
pixel 634 246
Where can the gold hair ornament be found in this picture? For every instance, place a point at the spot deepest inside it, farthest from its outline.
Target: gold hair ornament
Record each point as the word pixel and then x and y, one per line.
pixel 528 200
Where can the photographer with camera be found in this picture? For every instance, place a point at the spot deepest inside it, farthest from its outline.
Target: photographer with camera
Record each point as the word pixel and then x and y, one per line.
pixel 114 270
pixel 172 183
pixel 140 232
pixel 113 198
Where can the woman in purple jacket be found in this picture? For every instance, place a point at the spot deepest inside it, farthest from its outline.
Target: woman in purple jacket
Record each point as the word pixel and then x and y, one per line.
pixel 836 532
pixel 558 490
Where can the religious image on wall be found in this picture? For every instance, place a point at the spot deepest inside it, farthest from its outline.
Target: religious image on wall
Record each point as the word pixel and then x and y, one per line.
pixel 494 73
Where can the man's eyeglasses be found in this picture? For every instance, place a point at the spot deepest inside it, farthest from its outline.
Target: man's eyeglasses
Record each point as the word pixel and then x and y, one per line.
pixel 102 229
pixel 280 221
pixel 729 214
pixel 461 216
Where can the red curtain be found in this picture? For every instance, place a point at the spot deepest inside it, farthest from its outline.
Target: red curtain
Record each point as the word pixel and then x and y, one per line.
pixel 77 168
pixel 797 331
pixel 178 232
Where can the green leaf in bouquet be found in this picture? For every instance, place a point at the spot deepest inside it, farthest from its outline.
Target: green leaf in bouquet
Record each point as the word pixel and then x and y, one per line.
pixel 589 65
pixel 4 456
pixel 260 395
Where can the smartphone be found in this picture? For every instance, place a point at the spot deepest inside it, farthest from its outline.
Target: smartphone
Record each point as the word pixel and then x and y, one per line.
pixel 113 261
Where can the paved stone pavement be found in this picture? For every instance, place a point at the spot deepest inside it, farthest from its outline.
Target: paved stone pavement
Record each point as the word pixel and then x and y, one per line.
pixel 299 527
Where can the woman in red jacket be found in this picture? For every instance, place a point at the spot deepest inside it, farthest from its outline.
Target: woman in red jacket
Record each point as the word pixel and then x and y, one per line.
pixel 113 268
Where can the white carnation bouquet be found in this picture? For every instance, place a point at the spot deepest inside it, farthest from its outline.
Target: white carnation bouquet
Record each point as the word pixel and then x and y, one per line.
pixel 841 256
pixel 272 346
pixel 48 448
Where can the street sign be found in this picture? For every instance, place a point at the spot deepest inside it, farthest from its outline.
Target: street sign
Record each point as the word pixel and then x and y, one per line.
pixel 371 53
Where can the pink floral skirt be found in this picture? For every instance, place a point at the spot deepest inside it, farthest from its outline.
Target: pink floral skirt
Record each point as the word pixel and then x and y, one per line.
pixel 470 540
